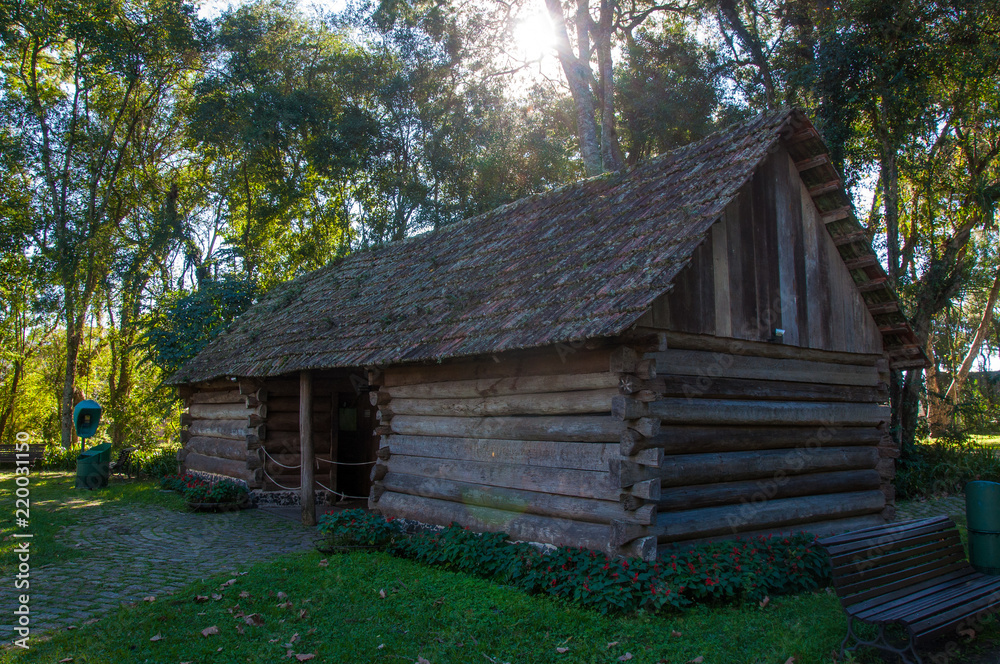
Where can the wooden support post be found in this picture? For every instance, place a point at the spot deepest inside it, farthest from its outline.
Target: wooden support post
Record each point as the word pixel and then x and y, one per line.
pixel 306 447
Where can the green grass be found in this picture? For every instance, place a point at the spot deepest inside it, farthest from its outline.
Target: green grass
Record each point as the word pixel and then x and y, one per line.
pixel 989 440
pixel 441 616
pixel 55 503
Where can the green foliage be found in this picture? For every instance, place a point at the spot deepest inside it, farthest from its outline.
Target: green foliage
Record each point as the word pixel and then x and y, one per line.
pixel 221 491
pixel 184 323
pixel 177 482
pixel 944 465
pixel 58 457
pixel 356 528
pixel 156 461
pixel 716 573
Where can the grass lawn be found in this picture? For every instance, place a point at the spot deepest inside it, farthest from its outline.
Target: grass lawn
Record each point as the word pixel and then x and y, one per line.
pixel 55 503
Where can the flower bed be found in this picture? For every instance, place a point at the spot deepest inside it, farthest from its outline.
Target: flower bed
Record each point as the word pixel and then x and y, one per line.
pixel 203 496
pixel 734 571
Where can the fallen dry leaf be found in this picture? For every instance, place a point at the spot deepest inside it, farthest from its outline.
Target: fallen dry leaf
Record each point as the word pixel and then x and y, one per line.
pixel 697 660
pixel 324 563
pixel 285 605
pixel 562 650
pixel 302 614
pixel 239 629
pixel 612 645
pixel 244 594
pixel 764 602
pixel 380 646
pixel 216 596
pixel 150 598
pixel 381 593
pixel 254 619
pixel 626 657
pixel 282 595
pixel 969 632
pixel 200 598
pixel 228 583
pixel 304 658
pixel 71 627
pixel 92 621
pixel 674 632
pixel 64 661
pixel 295 637
pixel 157 637
pixel 421 660
pixel 210 631
pixel 790 660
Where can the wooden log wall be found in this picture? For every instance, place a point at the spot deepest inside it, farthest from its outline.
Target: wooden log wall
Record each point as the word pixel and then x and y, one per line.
pixel 223 428
pixel 283 458
pixel 526 443
pixel 761 438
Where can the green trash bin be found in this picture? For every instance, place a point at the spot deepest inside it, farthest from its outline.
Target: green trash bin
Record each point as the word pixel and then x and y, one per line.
pixel 93 467
pixel 982 507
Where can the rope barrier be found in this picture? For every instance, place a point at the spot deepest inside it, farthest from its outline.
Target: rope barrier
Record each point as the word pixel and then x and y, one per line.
pixel 299 465
pixel 286 488
pixel 342 495
pixel 345 463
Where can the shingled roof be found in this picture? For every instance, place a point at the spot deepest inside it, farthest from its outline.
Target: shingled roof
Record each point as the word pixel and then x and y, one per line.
pixel 582 261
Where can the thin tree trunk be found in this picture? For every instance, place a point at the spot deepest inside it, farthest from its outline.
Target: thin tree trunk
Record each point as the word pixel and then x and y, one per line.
pixel 728 11
pixel 577 71
pixel 611 151
pixel 8 408
pixel 958 380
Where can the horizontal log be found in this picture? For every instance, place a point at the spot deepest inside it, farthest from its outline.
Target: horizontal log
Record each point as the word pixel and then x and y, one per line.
pixel 574 428
pixel 290 421
pixel 817 528
pixel 725 365
pixel 551 403
pixel 552 360
pixel 704 387
pixel 685 341
pixel 732 520
pixel 289 440
pixel 224 411
pixel 492 387
pixel 681 439
pixel 519 526
pixel 788 486
pixel 726 411
pixel 643 548
pixel 564 482
pixel 220 447
pixel 628 408
pixel 693 469
pixel 216 466
pixel 547 454
pixel 322 404
pixel 515 500
pixel 623 532
pixel 233 429
pixel 217 396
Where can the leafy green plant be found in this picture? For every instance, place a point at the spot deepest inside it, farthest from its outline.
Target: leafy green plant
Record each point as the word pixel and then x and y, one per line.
pixel 716 573
pixel 155 462
pixel 177 482
pixel 944 465
pixel 356 528
pixel 222 491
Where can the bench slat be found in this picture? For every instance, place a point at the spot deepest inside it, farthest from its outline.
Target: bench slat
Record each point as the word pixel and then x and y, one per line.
pixel 881 565
pixel 889 538
pixel 928 607
pixel 847 559
pixel 924 573
pixel 886 602
pixel 948 622
pixel 874 531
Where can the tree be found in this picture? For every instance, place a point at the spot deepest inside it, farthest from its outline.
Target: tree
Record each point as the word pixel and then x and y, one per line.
pixel 83 85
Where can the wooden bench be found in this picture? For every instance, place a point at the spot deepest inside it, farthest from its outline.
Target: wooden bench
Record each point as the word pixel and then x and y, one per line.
pixel 910 573
pixel 9 453
pixel 123 464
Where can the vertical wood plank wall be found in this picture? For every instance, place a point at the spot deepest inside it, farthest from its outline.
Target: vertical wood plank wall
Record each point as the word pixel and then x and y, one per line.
pixel 521 443
pixel 770 263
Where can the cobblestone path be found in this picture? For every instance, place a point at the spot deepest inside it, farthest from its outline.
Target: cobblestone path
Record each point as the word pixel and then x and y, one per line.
pixel 136 551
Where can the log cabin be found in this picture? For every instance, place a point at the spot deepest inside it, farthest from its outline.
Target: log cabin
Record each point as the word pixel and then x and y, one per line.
pixel 694 348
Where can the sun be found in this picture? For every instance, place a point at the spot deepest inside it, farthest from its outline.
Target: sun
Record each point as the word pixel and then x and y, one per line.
pixel 534 39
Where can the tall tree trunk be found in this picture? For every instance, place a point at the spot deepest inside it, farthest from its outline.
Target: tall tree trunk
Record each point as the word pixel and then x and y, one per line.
pixel 74 336
pixel 962 373
pixel 889 173
pixel 577 72
pixel 8 407
pixel 611 151
pixel 730 14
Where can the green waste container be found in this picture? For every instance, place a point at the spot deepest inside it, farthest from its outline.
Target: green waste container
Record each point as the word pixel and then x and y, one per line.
pixel 982 507
pixel 93 467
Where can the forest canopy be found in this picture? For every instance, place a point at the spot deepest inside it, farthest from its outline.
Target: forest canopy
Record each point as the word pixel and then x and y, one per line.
pixel 160 169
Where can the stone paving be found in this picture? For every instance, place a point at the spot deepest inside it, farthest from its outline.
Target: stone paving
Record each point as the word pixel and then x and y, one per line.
pixel 136 551
pixel 953 506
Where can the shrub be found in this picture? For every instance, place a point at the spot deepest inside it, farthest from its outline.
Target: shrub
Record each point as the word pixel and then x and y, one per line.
pixel 944 465
pixel 58 457
pixel 356 528
pixel 177 482
pixel 716 573
pixel 155 462
pixel 222 491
